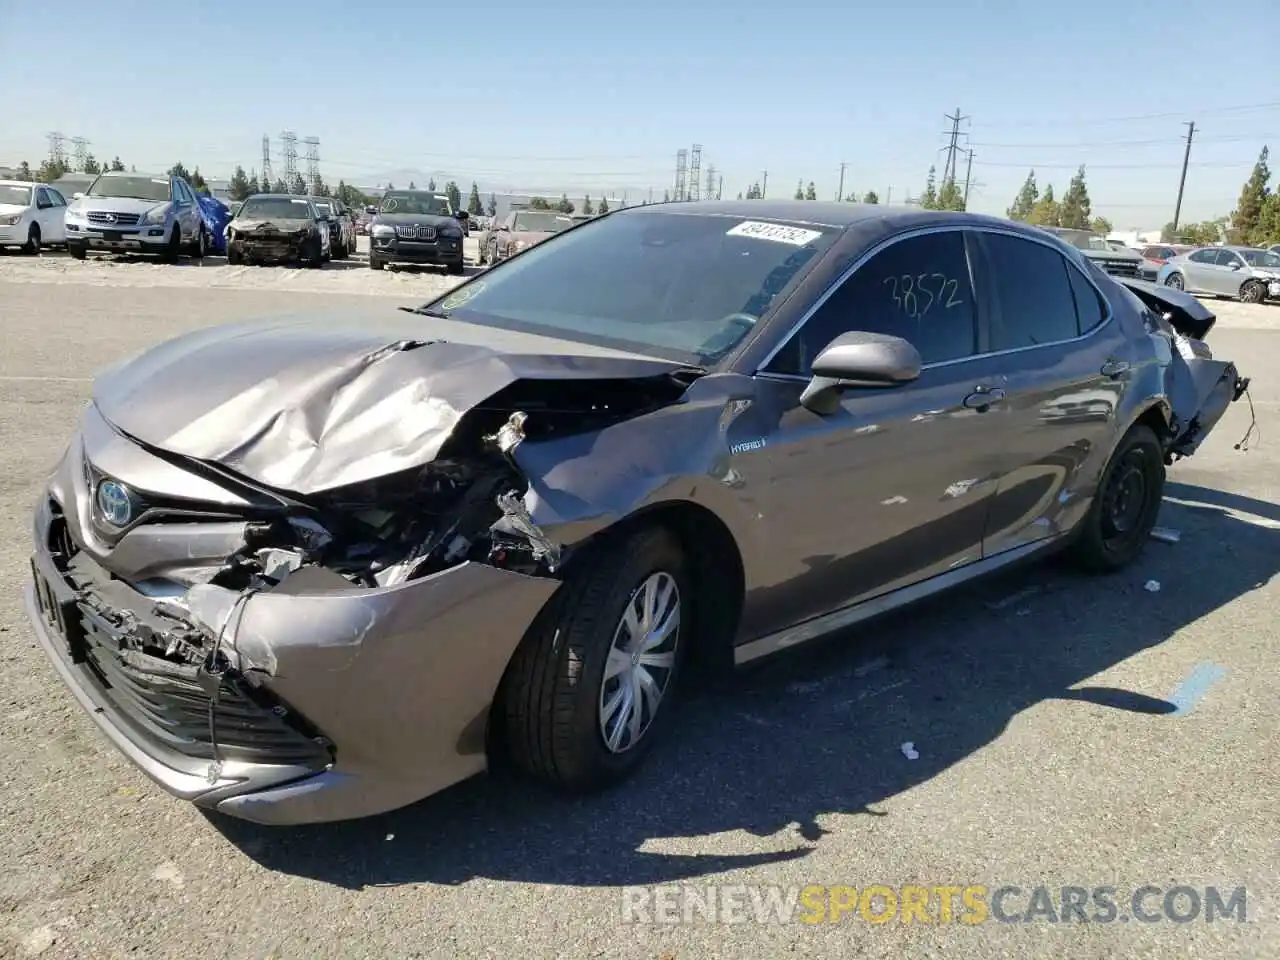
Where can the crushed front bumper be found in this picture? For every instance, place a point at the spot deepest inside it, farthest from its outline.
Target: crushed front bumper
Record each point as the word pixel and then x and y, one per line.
pixel 341 703
pixel 145 238
pixel 270 248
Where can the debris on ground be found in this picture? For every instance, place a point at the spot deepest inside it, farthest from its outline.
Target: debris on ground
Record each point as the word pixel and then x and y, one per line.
pixel 1151 586
pixel 909 751
pixel 1165 534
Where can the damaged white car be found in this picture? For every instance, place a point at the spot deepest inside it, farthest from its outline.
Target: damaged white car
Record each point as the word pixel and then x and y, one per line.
pixel 317 568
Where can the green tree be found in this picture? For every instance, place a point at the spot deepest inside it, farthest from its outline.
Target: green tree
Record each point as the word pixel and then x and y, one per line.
pixel 198 182
pixel 1196 234
pixel 604 206
pixel 492 208
pixel 91 165
pixel 431 183
pixel 799 190
pixel 1269 223
pixel 852 197
pixel 51 170
pixel 24 171
pixel 587 209
pixel 810 192
pixel 950 197
pixel 178 170
pixel 1101 225
pixel 252 186
pixel 754 192
pixel 666 196
pixel 1246 219
pixel 391 186
pixel 299 185
pixel 538 203
pixel 412 186
pixel 871 197
pixel 279 186
pixel 565 205
pixel 238 186
pixel 929 199
pixel 454 194
pixel 1045 212
pixel 117 166
pixel 474 206
pixel 1026 199
pixel 1076 210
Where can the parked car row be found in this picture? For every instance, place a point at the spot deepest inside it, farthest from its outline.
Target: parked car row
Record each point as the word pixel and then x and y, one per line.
pixel 1249 274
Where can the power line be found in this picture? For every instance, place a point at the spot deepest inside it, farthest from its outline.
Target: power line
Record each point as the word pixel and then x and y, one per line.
pixel 1234 138
pixel 1059 121
pixel 1115 166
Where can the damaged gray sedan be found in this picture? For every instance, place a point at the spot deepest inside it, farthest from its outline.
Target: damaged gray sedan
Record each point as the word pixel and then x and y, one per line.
pixel 317 568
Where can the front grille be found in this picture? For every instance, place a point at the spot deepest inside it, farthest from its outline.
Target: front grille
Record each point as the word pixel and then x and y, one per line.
pixel 163 701
pixel 1121 268
pixel 166 704
pixel 415 233
pixel 116 219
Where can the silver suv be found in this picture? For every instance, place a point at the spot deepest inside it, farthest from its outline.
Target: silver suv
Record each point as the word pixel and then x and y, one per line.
pixel 138 213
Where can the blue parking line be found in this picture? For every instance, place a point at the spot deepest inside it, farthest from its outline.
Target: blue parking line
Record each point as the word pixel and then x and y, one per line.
pixel 1192 690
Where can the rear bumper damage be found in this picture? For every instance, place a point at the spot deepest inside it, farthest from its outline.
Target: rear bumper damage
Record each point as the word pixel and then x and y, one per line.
pixel 310 704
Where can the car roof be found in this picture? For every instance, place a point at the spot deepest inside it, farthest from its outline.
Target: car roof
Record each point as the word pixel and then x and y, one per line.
pixel 21 183
pixel 136 173
pixel 278 196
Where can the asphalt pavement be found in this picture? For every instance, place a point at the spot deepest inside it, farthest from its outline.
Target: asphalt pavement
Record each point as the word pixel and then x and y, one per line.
pixel 1040 730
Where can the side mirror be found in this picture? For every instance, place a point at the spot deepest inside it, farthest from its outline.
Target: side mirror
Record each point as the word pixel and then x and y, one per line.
pixel 858 360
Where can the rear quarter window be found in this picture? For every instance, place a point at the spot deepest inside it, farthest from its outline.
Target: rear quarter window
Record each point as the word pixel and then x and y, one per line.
pixel 1035 302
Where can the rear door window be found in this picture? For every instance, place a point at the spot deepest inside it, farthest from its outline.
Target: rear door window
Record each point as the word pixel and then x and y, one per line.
pixel 1035 299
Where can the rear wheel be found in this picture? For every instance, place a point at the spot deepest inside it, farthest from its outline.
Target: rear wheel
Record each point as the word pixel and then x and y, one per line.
pixel 1126 505
pixel 77 250
pixel 1174 281
pixel 375 263
pixel 32 246
pixel 1253 292
pixel 589 690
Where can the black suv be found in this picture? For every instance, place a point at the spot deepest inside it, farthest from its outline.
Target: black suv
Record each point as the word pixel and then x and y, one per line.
pixel 1119 263
pixel 417 226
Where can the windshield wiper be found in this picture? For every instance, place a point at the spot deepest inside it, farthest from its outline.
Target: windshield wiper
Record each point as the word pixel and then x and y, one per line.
pixel 425 312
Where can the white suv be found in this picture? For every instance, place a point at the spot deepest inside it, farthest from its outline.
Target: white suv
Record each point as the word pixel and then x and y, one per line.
pixel 30 215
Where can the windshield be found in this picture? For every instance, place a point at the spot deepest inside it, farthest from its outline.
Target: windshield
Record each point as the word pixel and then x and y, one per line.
pixel 1261 258
pixel 18 195
pixel 542 222
pixel 1084 240
pixel 325 208
pixel 679 286
pixel 135 188
pixel 429 204
pixel 275 208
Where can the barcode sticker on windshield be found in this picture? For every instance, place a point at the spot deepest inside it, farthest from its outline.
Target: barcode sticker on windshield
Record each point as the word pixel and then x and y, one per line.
pixel 777 232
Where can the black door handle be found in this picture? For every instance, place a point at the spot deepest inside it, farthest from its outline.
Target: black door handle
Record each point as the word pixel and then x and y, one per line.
pixel 1115 368
pixel 982 399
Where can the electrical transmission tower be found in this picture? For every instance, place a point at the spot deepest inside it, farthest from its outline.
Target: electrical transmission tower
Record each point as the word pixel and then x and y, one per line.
pixel 289 139
pixel 953 148
pixel 313 163
pixel 695 173
pixel 57 149
pixel 81 153
pixel 711 182
pixel 682 160
pixel 267 179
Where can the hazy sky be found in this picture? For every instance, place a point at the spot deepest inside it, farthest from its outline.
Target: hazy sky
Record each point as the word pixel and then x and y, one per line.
pixel 597 98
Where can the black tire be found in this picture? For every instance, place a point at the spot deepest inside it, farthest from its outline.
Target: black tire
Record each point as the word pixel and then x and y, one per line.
pixel 1253 292
pixel 1174 281
pixel 173 250
pixel 316 260
pixel 201 246
pixel 234 258
pixel 455 268
pixel 1126 506
pixel 550 701
pixel 77 250
pixel 32 246
pixel 375 263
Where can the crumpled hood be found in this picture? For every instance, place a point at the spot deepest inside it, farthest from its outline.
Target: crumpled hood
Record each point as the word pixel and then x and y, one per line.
pixel 268 224
pixel 312 404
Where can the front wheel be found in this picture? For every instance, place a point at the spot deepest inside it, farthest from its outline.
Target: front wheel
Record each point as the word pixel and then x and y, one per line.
pixel 77 250
pixel 1174 281
pixel 588 692
pixel 1126 505
pixel 455 268
pixel 1253 292
pixel 173 249
pixel 32 246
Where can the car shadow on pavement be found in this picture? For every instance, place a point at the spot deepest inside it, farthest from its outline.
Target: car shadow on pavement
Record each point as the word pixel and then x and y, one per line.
pixel 775 758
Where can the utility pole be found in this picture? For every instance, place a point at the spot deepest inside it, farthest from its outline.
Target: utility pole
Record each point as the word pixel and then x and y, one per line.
pixel 720 188
pixel 1182 181
pixel 840 189
pixel 888 195
pixel 764 185
pixel 968 174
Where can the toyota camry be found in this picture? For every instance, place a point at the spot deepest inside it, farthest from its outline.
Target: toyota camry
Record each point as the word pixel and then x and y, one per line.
pixel 318 567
